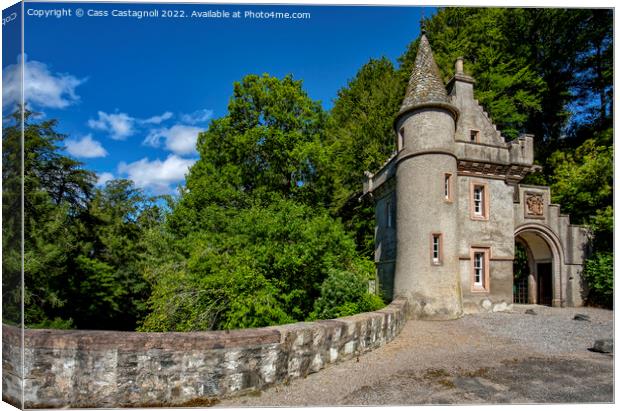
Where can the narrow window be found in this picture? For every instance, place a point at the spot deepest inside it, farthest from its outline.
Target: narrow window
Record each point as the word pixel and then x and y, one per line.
pixel 473 136
pixel 480 269
pixel 401 138
pixel 479 201
pixel 436 248
pixel 447 186
pixel 388 213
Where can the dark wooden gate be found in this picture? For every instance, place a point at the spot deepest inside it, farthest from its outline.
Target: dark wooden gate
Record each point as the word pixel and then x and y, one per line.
pixel 545 290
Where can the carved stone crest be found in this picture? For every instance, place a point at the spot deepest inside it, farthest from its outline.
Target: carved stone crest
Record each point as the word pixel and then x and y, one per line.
pixel 534 205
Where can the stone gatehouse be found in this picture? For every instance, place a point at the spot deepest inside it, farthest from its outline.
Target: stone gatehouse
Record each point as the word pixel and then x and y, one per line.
pixel 449 208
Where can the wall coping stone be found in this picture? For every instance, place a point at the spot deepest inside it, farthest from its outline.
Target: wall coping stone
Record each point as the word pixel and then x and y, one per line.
pixel 86 368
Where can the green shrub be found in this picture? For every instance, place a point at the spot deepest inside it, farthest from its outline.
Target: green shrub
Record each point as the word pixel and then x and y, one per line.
pixel 599 275
pixel 263 265
pixel 346 293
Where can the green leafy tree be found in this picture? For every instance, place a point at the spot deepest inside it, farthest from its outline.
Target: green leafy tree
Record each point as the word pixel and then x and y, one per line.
pixel 598 272
pixel 582 182
pixel 507 84
pixel 346 293
pixel 56 191
pixel 250 238
pixel 263 265
pixel 106 283
pixel 360 138
pixel 82 245
pixel 11 220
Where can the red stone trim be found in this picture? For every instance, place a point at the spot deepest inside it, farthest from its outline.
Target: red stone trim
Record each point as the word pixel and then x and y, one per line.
pixel 485 200
pixel 486 267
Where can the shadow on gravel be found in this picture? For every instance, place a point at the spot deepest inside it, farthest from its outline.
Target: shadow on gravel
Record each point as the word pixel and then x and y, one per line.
pixel 522 381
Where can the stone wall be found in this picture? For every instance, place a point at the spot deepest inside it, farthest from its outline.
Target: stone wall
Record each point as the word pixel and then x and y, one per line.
pixel 128 369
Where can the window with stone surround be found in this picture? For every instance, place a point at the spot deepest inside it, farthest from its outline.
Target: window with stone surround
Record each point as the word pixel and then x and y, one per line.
pixel 436 248
pixel 480 269
pixel 447 187
pixel 479 201
pixel 474 136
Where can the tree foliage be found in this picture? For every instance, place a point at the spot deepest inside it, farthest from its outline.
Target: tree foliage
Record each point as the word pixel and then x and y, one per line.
pixel 360 138
pixel 252 236
pixel 81 243
pixel 263 265
pixel 269 227
pixel 346 293
pixel 547 72
pixel 598 272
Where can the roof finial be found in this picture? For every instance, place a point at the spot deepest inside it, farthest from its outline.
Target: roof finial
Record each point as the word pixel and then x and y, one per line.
pixel 458 66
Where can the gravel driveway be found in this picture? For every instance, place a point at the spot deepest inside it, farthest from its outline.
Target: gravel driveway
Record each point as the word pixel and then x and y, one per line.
pixel 510 357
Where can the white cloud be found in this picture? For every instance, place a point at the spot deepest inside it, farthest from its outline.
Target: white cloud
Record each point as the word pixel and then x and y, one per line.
pixel 86 147
pixel 104 178
pixel 118 125
pixel 42 88
pixel 179 139
pixel 157 175
pixel 199 116
pixel 158 119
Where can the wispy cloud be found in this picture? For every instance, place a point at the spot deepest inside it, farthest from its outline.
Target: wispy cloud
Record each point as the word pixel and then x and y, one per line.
pixel 86 147
pixel 158 119
pixel 179 139
pixel 42 87
pixel 198 116
pixel 118 125
pixel 157 176
pixel 104 178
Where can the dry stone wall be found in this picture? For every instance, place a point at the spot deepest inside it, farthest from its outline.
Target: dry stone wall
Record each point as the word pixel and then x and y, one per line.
pixel 128 369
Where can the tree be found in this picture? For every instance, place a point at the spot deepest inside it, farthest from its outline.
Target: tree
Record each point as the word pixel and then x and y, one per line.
pixel 360 137
pixel 82 245
pixel 104 282
pixel 11 220
pixel 599 274
pixel 269 143
pixel 250 237
pixel 507 84
pixel 56 190
pixel 263 265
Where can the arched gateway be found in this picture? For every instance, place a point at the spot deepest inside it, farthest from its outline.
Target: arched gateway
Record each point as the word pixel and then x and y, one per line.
pixel 544 266
pixel 449 208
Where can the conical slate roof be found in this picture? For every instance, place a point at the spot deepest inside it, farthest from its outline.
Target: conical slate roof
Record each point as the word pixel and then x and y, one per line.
pixel 425 85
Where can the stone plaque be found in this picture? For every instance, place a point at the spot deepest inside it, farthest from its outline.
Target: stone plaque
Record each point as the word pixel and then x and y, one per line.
pixel 534 205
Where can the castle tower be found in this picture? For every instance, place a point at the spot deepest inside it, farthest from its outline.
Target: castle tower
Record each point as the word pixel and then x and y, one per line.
pixel 427 262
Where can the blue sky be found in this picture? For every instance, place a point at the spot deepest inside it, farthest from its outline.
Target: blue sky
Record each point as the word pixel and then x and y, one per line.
pixel 132 94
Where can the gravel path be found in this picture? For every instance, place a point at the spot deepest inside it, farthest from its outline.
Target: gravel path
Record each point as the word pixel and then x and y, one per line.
pixel 486 358
pixel 551 330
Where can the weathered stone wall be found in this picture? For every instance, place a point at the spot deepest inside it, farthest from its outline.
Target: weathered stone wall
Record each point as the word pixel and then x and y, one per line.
pixel 128 369
pixel 569 244
pixel 495 233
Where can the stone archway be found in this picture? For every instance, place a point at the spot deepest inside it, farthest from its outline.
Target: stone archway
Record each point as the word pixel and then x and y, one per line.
pixel 544 256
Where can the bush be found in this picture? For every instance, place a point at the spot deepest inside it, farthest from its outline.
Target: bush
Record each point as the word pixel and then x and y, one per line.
pixel 599 275
pixel 346 293
pixel 263 265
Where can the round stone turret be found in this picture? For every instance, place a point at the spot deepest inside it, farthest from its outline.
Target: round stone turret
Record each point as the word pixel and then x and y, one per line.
pixel 426 195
